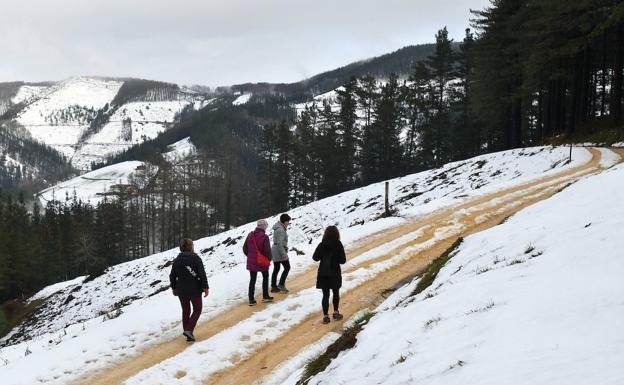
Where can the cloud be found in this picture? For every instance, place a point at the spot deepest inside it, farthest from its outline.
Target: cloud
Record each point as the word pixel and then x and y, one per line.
pixel 212 42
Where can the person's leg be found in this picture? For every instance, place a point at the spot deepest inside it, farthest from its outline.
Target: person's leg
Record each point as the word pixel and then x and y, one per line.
pixel 186 311
pixel 252 285
pixel 197 309
pixel 265 284
pixel 336 299
pixel 282 281
pixel 325 301
pixel 276 269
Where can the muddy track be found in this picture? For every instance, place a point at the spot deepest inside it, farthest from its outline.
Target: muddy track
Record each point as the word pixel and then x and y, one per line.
pixel 469 217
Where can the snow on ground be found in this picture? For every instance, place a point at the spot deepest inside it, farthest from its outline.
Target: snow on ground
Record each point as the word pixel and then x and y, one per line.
pixel 84 92
pixel 531 301
pixel 619 144
pixel 242 99
pixel 180 150
pixel 27 92
pixel 133 123
pixel 89 187
pixel 72 333
pixel 59 115
pixel 608 158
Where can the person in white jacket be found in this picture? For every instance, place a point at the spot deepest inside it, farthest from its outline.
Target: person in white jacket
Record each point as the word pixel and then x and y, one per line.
pixel 279 250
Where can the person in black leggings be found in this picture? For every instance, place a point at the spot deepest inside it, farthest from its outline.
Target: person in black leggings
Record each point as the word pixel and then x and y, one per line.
pixel 330 253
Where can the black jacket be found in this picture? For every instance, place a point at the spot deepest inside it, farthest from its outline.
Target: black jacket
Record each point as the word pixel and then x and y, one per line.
pixel 331 254
pixel 187 275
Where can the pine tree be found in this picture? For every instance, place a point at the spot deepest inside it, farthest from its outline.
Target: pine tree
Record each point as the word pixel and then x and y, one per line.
pixel 349 134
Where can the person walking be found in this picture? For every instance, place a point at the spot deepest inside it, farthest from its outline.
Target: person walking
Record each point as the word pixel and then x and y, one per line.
pixel 257 247
pixel 330 253
pixel 188 281
pixel 280 254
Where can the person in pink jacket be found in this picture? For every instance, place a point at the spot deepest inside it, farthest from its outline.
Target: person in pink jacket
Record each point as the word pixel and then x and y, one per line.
pixel 258 238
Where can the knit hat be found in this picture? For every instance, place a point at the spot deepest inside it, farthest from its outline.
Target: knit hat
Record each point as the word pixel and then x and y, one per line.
pixel 262 224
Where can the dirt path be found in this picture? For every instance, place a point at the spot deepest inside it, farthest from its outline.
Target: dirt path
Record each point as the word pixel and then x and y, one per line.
pixel 476 215
pixel 369 294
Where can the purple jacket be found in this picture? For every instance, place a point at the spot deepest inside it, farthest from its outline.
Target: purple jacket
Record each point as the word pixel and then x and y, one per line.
pixel 262 240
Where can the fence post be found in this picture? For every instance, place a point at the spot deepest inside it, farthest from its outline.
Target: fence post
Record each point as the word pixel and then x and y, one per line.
pixel 387 200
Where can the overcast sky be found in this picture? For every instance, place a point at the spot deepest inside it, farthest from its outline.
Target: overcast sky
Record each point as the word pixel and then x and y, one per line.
pixel 212 42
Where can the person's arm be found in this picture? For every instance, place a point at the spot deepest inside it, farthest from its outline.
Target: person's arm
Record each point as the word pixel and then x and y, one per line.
pixel 284 244
pixel 245 245
pixel 202 276
pixel 317 254
pixel 342 258
pixel 266 247
pixel 173 277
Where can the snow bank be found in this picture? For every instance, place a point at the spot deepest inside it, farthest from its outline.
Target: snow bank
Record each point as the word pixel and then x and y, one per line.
pixel 532 301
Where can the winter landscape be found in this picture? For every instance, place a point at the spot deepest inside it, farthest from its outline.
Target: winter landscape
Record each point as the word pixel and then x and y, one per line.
pixel 472 174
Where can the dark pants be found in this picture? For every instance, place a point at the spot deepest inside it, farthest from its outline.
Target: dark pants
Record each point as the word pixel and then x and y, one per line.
pixel 276 269
pixel 335 299
pixel 252 284
pixel 190 320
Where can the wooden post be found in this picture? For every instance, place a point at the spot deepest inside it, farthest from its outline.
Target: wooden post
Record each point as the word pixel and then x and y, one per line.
pixel 387 200
pixel 570 160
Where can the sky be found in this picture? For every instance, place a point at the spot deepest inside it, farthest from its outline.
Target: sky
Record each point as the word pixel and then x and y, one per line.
pixel 212 42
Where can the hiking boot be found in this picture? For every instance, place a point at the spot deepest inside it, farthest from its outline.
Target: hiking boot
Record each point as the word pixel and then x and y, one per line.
pixel 189 336
pixel 267 299
pixel 326 319
pixel 275 289
pixel 282 289
pixel 252 302
pixel 337 316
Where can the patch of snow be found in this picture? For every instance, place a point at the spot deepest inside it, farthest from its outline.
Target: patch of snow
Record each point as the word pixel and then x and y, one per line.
pixel 244 98
pixel 180 150
pixel 89 187
pixel 27 92
pixel 609 158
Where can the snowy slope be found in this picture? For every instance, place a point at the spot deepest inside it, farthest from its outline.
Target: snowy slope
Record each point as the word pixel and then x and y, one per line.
pixel 60 114
pixel 72 332
pixel 92 186
pixel 535 300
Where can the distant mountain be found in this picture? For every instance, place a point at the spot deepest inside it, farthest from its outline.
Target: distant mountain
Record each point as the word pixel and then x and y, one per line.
pixel 399 62
pixel 88 118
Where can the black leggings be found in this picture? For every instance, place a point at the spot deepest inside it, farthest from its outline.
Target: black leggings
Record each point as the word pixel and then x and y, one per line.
pixel 335 299
pixel 276 269
pixel 252 284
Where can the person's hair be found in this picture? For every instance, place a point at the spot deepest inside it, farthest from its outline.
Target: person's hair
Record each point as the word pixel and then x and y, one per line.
pixel 331 234
pixel 186 244
pixel 284 218
pixel 262 224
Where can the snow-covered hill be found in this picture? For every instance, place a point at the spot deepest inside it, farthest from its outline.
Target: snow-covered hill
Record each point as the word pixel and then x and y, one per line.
pixel 85 323
pixel 536 300
pixel 93 186
pixel 61 114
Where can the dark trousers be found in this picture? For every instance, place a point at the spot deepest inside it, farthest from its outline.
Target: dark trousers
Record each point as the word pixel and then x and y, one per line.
pixel 335 299
pixel 276 269
pixel 252 284
pixel 190 320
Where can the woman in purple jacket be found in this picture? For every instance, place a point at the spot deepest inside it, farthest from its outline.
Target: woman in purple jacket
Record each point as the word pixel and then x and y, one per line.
pixel 258 238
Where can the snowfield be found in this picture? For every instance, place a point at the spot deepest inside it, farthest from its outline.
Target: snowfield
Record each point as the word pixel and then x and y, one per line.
pixel 59 115
pixel 91 186
pixel 86 325
pixel 532 301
